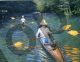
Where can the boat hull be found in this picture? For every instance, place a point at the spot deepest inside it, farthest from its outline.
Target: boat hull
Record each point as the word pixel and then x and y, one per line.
pixel 55 53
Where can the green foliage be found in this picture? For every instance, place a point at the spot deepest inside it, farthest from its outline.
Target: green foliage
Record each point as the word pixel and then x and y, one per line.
pixel 75 6
pixel 58 6
pixel 49 2
pixel 40 5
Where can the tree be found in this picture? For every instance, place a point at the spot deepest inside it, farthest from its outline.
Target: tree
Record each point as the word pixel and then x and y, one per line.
pixel 40 5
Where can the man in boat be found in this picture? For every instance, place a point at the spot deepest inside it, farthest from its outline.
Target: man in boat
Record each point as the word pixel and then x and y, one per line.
pixel 23 20
pixel 43 34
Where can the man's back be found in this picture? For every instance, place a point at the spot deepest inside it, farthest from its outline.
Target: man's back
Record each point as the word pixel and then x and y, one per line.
pixel 45 31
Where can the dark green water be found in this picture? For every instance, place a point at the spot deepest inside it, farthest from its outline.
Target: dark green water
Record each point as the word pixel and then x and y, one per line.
pixel 70 45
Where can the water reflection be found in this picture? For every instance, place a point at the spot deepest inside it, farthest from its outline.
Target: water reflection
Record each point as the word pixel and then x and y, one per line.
pixel 72 53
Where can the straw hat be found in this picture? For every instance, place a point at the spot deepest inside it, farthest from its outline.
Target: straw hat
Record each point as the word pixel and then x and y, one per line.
pixel 43 22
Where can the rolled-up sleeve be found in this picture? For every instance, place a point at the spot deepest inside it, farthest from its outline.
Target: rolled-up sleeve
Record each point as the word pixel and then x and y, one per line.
pixel 37 34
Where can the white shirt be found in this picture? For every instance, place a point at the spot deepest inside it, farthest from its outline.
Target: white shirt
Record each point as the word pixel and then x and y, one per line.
pixel 42 33
pixel 23 19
